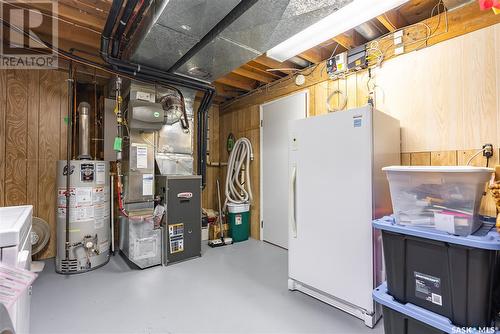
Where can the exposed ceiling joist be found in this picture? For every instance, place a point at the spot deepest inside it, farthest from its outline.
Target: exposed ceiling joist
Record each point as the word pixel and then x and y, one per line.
pixel 262 68
pixel 237 81
pixel 248 72
pixel 90 7
pixel 350 39
pixel 271 63
pixel 315 55
pixel 74 15
pixel 102 4
pixel 392 20
pixel 226 91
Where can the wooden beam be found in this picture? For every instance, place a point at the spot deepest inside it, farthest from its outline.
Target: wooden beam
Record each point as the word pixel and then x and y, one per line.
pixel 263 69
pixel 67 32
pixel 350 39
pixel 71 14
pixel 226 91
pixel 315 55
pixel 90 8
pixel 237 81
pixel 271 63
pixel 248 72
pixel 104 5
pixel 216 100
pixel 392 20
pixel 460 22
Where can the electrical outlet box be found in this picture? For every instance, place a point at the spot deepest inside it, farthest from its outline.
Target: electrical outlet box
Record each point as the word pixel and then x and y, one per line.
pixel 356 58
pixel 398 34
pixel 399 50
pixel 398 40
pixel 337 64
pixel 488 150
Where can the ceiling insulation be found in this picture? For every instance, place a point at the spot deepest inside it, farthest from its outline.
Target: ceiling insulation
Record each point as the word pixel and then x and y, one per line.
pixel 179 24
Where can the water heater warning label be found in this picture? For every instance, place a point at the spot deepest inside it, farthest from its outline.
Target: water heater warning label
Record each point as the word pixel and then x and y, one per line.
pixel 100 172
pixel 83 196
pixel 98 195
pixel 428 287
pixel 61 197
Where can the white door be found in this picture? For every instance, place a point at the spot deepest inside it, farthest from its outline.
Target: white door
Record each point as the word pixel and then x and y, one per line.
pixel 275 116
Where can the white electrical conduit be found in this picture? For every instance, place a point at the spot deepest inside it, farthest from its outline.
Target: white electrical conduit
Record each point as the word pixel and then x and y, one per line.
pixel 240 157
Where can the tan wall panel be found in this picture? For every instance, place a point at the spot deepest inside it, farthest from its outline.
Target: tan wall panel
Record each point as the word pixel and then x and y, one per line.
pixel 420 159
pixel 352 92
pixel 49 144
pixel 479 161
pixel 405 159
pixel 32 154
pixel 32 139
pixel 318 99
pixel 480 89
pixel 444 158
pixel 3 112
pixel 254 137
pixel 16 135
pixel 423 90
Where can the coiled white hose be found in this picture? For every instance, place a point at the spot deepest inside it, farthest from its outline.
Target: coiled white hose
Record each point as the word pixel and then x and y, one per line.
pixel 240 156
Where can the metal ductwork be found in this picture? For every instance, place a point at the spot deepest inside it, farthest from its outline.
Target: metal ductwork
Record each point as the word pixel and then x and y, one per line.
pixel 84 131
pixel 174 27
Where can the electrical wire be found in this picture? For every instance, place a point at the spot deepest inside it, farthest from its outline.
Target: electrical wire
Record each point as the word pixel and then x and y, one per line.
pixel 344 104
pixel 474 155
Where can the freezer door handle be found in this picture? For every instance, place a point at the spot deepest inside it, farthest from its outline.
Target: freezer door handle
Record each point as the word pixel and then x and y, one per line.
pixel 292 219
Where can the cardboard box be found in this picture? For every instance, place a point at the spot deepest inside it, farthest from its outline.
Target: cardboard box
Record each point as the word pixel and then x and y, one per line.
pixel 214 231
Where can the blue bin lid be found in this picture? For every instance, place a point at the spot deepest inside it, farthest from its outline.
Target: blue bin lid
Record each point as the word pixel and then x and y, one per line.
pixel 485 238
pixel 381 296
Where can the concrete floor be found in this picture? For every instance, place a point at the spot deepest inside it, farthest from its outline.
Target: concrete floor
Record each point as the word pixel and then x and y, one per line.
pixel 235 289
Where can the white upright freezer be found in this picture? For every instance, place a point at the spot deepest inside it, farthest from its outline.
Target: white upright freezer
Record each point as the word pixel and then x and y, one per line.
pixel 336 189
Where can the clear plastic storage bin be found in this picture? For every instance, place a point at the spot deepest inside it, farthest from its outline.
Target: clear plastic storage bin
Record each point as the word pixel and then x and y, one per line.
pixel 440 197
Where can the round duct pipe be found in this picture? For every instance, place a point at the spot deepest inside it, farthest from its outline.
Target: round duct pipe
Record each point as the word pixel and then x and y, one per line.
pixel 84 131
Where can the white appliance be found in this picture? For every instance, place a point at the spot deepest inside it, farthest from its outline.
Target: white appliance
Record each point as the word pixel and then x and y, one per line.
pixel 336 188
pixel 15 251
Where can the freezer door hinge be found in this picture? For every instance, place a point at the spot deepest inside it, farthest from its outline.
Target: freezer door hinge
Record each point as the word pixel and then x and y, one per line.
pixel 262 224
pixel 261 123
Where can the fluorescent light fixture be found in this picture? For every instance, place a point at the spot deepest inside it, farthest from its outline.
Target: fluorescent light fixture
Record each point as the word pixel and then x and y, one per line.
pixel 347 17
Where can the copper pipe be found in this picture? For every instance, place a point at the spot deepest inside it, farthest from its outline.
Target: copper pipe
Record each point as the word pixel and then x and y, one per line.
pixel 74 129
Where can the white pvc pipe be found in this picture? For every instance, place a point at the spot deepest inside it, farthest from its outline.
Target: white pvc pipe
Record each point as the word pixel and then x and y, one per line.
pixel 240 156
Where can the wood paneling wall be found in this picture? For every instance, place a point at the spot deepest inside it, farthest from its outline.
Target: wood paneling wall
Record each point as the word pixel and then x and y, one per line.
pixel 209 195
pixel 244 123
pixel 33 105
pixel 446 97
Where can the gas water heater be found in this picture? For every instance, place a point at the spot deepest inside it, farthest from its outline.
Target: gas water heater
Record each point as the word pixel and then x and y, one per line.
pixel 83 241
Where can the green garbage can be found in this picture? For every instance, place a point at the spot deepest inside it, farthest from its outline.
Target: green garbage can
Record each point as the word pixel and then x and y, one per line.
pixel 239 221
